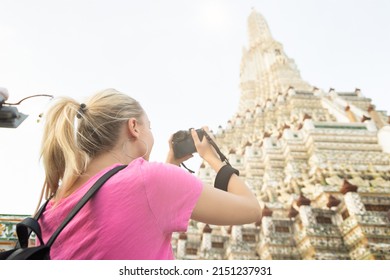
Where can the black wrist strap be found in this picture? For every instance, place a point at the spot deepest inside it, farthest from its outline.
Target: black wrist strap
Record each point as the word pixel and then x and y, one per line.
pixel 223 177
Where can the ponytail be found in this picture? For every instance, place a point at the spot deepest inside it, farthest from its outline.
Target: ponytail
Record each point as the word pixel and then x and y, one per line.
pixel 62 158
pixel 75 133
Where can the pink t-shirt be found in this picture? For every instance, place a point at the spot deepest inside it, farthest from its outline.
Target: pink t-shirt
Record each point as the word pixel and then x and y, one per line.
pixel 131 217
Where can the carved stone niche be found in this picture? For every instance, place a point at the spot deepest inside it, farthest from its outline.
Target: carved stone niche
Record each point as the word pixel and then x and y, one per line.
pixel 292 213
pixel 266 212
pixel 207 229
pixel 333 201
pixel 302 200
pixel 365 118
pixel 352 198
pixel 348 187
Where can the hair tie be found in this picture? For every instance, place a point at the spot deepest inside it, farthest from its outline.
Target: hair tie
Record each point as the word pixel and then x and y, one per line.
pixel 81 110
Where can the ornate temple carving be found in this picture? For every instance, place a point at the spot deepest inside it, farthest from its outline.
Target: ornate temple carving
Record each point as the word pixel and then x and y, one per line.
pixel 318 161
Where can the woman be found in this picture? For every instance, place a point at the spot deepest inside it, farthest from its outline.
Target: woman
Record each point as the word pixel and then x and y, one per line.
pixel 135 212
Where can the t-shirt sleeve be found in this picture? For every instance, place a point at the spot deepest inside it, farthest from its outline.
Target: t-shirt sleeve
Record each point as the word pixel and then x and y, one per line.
pixel 172 194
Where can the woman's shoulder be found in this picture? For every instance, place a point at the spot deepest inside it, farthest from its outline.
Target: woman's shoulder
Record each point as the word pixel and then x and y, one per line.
pixel 155 166
pixel 141 169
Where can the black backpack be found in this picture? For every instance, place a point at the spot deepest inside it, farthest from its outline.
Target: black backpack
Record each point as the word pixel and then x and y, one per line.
pixel 29 225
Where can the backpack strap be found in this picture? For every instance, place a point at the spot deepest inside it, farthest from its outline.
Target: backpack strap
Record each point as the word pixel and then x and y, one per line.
pixel 24 229
pixel 28 225
pixel 99 183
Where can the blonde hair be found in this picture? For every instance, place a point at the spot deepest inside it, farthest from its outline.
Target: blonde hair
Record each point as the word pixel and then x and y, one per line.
pixel 73 135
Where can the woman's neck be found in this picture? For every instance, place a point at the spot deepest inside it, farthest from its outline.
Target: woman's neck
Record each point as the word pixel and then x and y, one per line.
pixel 96 165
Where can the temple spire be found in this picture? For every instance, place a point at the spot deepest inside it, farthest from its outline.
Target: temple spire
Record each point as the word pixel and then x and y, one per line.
pixel 258 30
pixel 266 71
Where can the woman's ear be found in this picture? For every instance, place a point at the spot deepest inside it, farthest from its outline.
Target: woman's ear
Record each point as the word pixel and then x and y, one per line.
pixel 132 127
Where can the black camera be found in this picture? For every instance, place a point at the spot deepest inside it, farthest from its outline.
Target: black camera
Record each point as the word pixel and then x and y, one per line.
pixel 183 144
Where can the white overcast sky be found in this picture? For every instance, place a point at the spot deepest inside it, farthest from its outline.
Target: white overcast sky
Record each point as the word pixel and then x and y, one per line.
pixel 180 59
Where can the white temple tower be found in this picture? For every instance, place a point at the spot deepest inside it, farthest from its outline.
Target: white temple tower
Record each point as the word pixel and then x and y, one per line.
pixel 315 159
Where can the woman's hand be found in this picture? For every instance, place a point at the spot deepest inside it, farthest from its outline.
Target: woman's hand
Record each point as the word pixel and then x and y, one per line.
pixel 206 150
